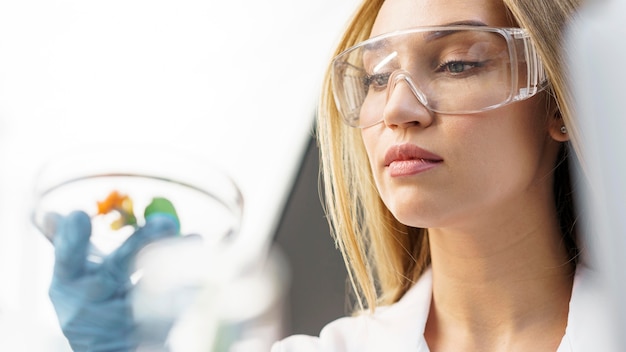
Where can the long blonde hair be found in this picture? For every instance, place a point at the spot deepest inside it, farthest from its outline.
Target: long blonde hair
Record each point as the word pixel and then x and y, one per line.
pixel 384 257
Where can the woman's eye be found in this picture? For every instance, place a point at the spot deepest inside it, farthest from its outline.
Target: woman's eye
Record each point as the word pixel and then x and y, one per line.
pixel 376 81
pixel 458 67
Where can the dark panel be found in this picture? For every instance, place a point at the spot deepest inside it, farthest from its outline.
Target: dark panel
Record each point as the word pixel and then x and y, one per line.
pixel 318 285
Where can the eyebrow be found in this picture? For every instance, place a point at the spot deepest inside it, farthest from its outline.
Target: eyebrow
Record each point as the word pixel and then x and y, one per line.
pixel 430 36
pixel 433 35
pixel 465 23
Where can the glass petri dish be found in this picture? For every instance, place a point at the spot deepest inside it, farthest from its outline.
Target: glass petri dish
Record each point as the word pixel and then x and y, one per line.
pixel 206 201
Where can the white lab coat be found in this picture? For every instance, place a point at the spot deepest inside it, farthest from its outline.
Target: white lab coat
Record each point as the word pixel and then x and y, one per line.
pixel 400 326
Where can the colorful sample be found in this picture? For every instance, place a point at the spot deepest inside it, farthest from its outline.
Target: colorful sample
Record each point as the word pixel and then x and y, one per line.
pixel 161 206
pixel 123 205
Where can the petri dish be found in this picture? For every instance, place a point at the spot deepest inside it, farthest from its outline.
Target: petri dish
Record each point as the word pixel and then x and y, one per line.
pixel 205 199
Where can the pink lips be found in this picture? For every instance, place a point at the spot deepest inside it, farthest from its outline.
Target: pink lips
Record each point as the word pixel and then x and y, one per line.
pixel 409 159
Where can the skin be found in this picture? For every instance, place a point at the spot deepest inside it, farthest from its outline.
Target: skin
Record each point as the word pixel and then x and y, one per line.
pixel 501 281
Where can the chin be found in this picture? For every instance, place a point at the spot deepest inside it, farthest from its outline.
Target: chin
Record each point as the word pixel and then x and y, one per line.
pixel 415 216
pixel 416 208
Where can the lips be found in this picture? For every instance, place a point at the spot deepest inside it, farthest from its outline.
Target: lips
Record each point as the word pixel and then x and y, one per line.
pixel 409 159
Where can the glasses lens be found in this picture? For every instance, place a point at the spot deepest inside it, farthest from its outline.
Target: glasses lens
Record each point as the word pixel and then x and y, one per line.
pixel 448 70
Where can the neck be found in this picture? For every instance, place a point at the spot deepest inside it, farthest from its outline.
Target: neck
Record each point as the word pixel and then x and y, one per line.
pixel 495 284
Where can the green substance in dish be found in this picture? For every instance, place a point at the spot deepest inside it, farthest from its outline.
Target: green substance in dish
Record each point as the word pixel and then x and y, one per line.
pixel 163 206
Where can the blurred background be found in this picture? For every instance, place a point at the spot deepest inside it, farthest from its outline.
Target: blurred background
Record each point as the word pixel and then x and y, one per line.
pixel 235 82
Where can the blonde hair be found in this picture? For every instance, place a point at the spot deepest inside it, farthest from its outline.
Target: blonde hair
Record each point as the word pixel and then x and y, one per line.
pixel 384 257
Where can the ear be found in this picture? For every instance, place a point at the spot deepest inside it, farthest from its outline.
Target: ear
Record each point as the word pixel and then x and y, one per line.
pixel 556 126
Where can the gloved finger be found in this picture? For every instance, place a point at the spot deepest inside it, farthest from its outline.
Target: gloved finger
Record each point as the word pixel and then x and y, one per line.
pixel 71 244
pixel 117 265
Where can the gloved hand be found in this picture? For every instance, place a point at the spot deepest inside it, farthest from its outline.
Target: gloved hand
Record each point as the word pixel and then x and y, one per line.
pixel 92 300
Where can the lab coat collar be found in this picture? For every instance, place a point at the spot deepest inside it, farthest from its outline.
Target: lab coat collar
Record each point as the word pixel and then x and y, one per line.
pixel 589 326
pixel 400 327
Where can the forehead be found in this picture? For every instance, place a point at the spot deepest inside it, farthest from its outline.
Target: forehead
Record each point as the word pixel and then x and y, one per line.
pixel 402 14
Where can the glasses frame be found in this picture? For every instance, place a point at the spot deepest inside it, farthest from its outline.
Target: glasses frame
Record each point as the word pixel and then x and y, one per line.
pixel 516 39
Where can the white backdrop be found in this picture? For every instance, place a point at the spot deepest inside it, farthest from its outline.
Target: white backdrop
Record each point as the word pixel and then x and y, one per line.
pixel 596 45
pixel 235 81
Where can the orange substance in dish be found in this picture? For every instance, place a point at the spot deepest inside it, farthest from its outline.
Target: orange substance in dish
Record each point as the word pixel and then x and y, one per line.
pixel 120 203
pixel 113 200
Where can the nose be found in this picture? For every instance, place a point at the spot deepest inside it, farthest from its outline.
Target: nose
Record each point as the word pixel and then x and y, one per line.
pixel 406 105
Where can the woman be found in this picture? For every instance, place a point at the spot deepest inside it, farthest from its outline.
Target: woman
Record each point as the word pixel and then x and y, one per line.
pixel 446 139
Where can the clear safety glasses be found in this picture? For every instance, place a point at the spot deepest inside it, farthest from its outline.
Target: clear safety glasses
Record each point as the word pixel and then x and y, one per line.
pixel 449 69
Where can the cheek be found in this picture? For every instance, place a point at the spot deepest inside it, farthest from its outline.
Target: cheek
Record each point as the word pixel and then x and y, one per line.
pixel 371 142
pixel 489 151
pixel 375 148
pixel 499 157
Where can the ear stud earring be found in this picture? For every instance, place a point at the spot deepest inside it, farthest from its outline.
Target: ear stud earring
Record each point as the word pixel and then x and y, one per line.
pixel 563 129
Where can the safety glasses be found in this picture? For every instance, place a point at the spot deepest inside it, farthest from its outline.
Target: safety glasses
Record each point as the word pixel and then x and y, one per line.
pixel 448 69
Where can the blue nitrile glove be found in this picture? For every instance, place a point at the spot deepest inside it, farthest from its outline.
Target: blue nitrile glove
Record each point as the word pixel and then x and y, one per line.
pixel 92 300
